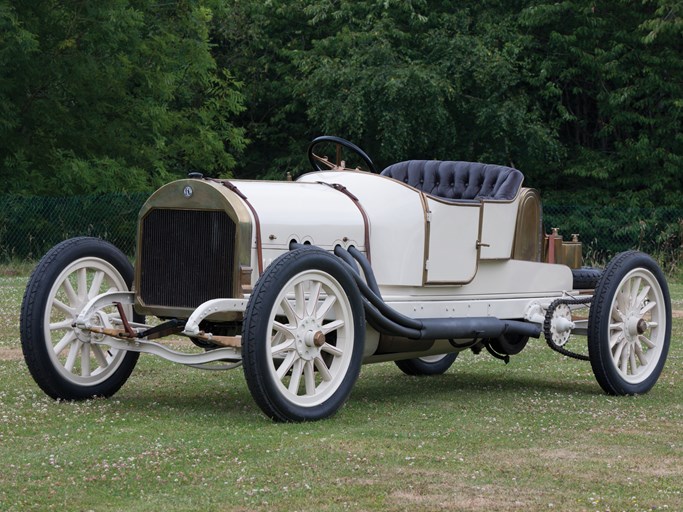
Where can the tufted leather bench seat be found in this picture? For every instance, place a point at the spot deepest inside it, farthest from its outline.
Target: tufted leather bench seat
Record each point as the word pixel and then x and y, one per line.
pixel 458 180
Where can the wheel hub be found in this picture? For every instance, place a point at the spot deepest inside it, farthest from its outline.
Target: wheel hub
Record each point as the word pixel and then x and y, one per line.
pixel 309 339
pixel 561 324
pixel 635 326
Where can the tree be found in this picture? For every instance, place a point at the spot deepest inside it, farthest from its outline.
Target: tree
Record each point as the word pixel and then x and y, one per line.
pixel 122 95
pixel 258 42
pixel 402 79
pixel 584 98
pixel 613 78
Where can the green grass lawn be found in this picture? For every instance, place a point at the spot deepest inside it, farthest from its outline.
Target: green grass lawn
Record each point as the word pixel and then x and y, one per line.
pixel 537 434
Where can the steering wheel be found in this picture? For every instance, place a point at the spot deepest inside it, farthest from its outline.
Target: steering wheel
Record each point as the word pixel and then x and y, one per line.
pixel 338 164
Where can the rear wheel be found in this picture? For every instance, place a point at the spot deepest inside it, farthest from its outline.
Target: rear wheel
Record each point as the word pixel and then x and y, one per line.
pixel 629 329
pixel 428 365
pixel 62 359
pixel 585 278
pixel 303 335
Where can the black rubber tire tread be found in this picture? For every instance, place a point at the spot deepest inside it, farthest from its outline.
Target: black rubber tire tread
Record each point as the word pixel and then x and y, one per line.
pixel 33 307
pixel 255 333
pixel 586 278
pixel 418 367
pixel 599 319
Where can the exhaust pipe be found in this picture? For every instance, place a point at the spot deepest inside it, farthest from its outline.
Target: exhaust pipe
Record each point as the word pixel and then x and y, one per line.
pixel 390 322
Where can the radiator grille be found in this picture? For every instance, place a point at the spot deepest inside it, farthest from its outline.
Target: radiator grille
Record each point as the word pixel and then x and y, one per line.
pixel 187 257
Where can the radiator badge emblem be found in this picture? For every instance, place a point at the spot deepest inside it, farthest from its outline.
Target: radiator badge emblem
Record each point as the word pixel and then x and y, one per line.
pixel 187 192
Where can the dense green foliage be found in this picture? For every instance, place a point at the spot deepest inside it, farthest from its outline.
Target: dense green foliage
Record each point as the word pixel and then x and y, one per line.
pixel 402 79
pixel 585 98
pixel 101 96
pixel 614 77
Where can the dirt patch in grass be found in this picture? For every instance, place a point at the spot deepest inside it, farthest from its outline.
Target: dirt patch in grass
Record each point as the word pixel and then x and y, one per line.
pixel 11 354
pixel 459 497
pixel 445 492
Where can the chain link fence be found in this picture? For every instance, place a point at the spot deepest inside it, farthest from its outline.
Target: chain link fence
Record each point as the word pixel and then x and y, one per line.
pixel 608 230
pixel 31 225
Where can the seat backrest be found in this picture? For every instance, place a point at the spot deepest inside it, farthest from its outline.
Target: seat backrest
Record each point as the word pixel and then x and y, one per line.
pixel 458 180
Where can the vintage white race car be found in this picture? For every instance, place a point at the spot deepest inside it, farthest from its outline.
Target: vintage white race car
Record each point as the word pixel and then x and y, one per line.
pixel 300 282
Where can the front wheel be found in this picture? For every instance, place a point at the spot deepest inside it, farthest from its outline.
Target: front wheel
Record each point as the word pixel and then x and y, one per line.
pixel 302 337
pixel 428 365
pixel 65 362
pixel 629 325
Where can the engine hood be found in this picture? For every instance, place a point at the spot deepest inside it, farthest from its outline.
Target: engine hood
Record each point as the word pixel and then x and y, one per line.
pixel 313 213
pixel 200 239
pixel 282 211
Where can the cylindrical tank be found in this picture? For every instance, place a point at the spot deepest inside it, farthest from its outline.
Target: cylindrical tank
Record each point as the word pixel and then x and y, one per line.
pixel 553 247
pixel 571 252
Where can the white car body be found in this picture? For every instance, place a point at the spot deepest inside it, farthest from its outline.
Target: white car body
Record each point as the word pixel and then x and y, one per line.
pixel 431 258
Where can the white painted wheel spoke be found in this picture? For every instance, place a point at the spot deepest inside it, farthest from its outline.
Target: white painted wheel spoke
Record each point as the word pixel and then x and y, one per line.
pixel 325 307
pixel 616 314
pixel 642 296
pixel 277 338
pixel 64 324
pixel 623 361
pixel 295 380
pixel 618 350
pixel 82 289
pixel 99 356
pixel 300 300
pixel 313 298
pixel 635 286
pixel 652 325
pixel 71 358
pixel 632 360
pixel 622 301
pixel 70 292
pixel 647 307
pixel 85 360
pixel 288 311
pixel 96 284
pixel 332 326
pixel 646 341
pixel 69 337
pixel 616 326
pixel 331 349
pixel 309 378
pixel 323 369
pixel 641 356
pixel 286 365
pixel 281 347
pixel 615 338
pixel 283 330
pixel 56 303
